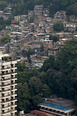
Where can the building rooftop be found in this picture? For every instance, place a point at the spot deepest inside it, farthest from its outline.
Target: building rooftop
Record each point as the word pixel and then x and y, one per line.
pixel 58 106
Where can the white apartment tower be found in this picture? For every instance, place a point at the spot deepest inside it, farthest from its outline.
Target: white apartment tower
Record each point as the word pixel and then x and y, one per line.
pixel 7 85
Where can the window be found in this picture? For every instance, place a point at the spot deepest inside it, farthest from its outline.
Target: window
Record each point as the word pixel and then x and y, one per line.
pixel 2 95
pixel 2 100
pixel 12 71
pixel 6 72
pixel 11 103
pixel 2 106
pixel 2 83
pixel 11 98
pixel 6 99
pixel 12 76
pixel 2 111
pixel 12 65
pixel 2 72
pixel 10 58
pixel 2 89
pixel 2 58
pixel 12 92
pixel 2 67
pixel 2 78
pixel 11 82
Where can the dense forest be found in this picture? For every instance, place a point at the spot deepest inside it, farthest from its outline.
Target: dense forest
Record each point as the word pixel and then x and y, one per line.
pixel 22 6
pixel 57 76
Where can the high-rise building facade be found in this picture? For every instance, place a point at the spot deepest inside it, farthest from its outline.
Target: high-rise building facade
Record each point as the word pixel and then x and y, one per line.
pixel 7 85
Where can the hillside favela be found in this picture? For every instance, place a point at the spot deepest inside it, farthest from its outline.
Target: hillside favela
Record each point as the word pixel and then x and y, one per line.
pixel 38 57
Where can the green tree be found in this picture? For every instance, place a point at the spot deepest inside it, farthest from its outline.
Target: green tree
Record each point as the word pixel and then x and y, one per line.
pixel 58 26
pixel 49 63
pixel 30 51
pixel 35 85
pixel 5 39
pixel 67 58
pixel 23 97
pixel 42 76
pixel 54 38
pixel 45 90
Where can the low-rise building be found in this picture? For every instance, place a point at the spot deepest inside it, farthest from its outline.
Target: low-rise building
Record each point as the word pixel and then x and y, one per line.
pixel 58 106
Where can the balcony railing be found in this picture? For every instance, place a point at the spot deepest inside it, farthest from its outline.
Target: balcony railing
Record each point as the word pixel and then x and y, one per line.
pixel 13 95
pixel 6 91
pixel 6 102
pixel 6 107
pixel 6 113
pixel 5 97
pixel 5 83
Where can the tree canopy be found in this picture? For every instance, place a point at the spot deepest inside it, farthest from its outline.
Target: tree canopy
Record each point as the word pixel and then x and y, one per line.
pixel 56 76
pixel 5 39
pixel 58 27
pixel 54 38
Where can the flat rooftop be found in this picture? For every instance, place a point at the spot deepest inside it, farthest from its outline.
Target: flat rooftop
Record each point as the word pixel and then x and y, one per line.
pixel 58 106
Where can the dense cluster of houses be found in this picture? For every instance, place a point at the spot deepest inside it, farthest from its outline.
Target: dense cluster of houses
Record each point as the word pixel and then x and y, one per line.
pixel 6 12
pixel 32 31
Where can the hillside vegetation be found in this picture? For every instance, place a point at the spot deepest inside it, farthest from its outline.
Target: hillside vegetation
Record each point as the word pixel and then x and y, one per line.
pixel 57 76
pixel 22 6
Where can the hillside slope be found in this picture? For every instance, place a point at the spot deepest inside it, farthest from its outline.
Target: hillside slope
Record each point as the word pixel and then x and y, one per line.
pixel 22 6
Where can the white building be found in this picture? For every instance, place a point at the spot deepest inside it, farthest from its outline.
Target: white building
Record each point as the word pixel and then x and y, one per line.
pixel 7 85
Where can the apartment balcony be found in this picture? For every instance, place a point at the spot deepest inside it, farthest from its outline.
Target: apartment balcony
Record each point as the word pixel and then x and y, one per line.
pixel 13 86
pixel 6 97
pixel 6 63
pixel 8 71
pixel 4 92
pixel 14 79
pixel 6 102
pixel 14 90
pixel 13 62
pixel 6 106
pixel 14 68
pixel 6 82
pixel 0 77
pixel 5 67
pixel 13 112
pixel 13 105
pixel 5 73
pixel 14 74
pixel 6 114
pixel 4 70
pixel 5 77
pixel 5 88
pixel 14 100
pixel 5 109
pixel 13 95
pixel 12 82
